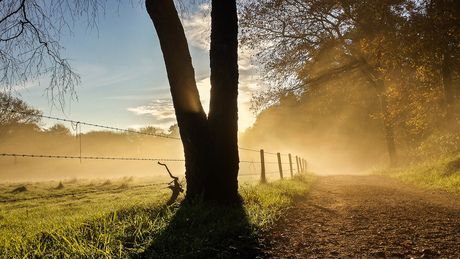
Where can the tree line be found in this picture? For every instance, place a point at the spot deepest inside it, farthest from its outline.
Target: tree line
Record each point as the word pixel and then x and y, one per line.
pixel 24 132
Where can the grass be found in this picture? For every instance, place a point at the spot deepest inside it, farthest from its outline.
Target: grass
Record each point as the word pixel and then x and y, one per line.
pixel 441 174
pixel 58 226
pixel 134 222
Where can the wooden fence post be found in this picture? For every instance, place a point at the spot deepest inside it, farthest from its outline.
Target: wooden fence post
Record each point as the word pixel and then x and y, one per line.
pixel 301 164
pixel 280 166
pixel 305 161
pixel 290 165
pixel 297 162
pixel 304 168
pixel 262 167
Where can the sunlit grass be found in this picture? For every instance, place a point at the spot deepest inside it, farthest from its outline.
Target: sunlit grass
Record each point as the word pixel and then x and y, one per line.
pixel 25 224
pixel 441 174
pixel 121 223
pixel 265 202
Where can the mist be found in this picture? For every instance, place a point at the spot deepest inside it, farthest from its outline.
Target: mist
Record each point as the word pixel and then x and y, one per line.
pixel 330 126
pixel 108 154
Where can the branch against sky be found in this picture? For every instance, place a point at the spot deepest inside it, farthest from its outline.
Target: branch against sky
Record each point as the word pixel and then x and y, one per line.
pixel 30 48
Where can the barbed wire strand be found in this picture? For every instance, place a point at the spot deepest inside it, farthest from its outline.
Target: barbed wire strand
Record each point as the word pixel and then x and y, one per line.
pixel 248 149
pixel 250 161
pixel 89 124
pixel 112 158
pixel 94 157
pixel 75 123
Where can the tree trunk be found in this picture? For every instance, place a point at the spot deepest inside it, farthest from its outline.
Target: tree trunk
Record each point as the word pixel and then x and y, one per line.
pixel 210 145
pixel 223 112
pixel 379 85
pixel 388 126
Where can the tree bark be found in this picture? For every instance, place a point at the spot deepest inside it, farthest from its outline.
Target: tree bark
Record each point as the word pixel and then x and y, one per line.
pixel 210 145
pixel 223 112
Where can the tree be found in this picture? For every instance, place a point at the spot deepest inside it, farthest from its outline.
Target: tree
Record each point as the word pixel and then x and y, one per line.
pixel 210 142
pixel 59 130
pixel 295 37
pixel 14 113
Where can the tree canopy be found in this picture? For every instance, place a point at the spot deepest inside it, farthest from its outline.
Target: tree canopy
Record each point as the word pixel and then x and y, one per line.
pixel 406 51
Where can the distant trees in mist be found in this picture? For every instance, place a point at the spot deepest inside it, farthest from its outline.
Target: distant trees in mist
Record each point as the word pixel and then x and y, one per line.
pixel 22 132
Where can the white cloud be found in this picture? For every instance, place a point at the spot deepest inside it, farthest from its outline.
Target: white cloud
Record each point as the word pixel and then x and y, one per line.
pixel 161 110
pixel 197 28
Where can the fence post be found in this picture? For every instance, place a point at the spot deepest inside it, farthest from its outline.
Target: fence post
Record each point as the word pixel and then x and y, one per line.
pixel 304 168
pixel 301 164
pixel 297 162
pixel 262 167
pixel 305 161
pixel 280 166
pixel 290 165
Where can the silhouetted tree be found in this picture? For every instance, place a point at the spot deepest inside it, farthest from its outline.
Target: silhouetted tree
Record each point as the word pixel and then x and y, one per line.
pixel 15 113
pixel 210 142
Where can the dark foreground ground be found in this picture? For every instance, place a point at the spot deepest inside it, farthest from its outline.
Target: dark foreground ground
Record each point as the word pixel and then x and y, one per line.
pixel 367 217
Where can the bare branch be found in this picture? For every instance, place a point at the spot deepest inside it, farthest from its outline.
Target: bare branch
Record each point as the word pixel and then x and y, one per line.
pixel 30 32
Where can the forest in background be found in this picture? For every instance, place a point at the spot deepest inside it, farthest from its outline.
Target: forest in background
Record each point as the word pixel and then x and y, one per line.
pixel 356 84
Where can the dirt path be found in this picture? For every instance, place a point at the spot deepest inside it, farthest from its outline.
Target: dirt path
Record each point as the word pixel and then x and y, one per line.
pixel 368 217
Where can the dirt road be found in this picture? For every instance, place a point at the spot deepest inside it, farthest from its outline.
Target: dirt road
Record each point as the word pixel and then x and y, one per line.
pixel 368 217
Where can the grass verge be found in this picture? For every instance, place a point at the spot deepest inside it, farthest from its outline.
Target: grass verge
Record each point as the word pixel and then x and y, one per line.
pixel 152 230
pixel 208 231
pixel 441 174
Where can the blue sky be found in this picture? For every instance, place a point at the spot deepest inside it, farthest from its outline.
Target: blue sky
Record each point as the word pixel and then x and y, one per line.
pixel 124 82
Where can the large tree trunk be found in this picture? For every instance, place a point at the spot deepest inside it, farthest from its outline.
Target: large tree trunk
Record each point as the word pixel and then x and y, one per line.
pixel 210 146
pixel 223 112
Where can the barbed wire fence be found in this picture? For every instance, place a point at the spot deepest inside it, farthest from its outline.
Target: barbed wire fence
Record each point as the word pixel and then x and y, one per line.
pixel 256 169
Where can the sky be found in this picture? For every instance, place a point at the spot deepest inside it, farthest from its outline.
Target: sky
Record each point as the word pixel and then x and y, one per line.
pixel 124 81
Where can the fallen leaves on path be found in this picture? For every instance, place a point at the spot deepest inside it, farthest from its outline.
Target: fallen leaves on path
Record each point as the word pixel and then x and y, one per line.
pixel 367 217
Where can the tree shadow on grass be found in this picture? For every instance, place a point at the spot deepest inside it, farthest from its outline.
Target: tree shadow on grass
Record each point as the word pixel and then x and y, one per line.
pixel 203 230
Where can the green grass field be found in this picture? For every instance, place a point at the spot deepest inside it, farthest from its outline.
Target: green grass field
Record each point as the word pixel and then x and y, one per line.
pixel 120 218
